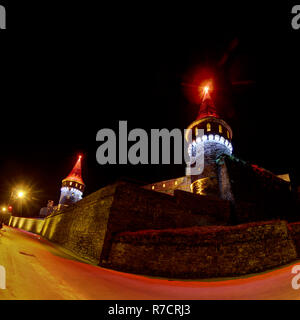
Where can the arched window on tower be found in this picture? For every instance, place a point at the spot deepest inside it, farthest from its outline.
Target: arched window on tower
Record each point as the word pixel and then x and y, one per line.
pixel 220 128
pixel 228 134
pixel 196 131
pixel 208 127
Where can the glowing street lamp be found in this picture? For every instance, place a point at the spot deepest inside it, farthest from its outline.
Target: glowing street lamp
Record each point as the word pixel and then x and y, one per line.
pixel 20 194
pixel 4 209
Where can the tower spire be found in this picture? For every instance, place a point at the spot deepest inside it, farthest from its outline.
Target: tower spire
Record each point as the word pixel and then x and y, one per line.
pixel 207 107
pixel 75 174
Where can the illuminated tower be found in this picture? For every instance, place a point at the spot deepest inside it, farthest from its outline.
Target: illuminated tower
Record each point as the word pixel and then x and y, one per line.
pixel 72 186
pixel 215 141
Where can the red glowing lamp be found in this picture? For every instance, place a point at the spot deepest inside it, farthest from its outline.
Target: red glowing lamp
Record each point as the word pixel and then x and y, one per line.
pixel 206 89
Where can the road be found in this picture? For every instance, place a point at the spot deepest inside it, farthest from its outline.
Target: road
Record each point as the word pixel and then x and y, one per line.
pixel 37 269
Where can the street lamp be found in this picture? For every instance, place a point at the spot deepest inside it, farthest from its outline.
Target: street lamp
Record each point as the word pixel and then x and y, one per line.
pixel 20 194
pixel 17 195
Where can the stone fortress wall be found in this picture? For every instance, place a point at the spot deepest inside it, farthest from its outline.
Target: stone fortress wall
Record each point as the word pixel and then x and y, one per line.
pixel 94 229
pixel 204 252
pixel 88 226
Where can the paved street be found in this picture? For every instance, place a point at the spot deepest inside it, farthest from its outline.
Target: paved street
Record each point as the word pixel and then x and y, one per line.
pixel 36 269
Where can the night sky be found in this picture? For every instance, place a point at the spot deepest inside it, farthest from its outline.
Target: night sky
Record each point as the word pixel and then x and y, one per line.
pixel 67 72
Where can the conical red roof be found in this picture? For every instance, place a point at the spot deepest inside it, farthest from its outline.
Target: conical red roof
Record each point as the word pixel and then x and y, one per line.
pixel 75 174
pixel 207 107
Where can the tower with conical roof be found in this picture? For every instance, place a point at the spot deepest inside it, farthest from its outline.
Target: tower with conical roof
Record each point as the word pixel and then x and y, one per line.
pixel 215 141
pixel 72 186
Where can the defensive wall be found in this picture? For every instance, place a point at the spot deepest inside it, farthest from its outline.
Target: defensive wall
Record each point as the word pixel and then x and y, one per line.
pixel 94 229
pixel 204 252
pixel 88 226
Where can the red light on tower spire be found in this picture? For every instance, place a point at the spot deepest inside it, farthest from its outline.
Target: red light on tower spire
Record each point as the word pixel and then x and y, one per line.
pixel 75 174
pixel 205 90
pixel 207 107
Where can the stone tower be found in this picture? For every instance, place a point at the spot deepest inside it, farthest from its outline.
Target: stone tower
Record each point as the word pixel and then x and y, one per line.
pixel 215 141
pixel 72 186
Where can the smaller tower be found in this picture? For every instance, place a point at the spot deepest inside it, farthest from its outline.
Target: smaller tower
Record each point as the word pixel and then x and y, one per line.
pixel 72 186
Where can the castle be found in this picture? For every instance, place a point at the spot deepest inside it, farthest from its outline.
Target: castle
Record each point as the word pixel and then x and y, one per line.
pixel 256 192
pixel 232 218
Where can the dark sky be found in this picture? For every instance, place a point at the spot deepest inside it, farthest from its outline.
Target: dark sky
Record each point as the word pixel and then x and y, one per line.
pixel 69 71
